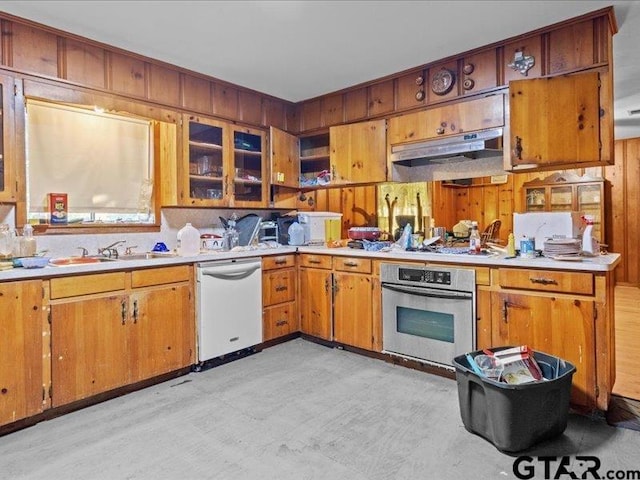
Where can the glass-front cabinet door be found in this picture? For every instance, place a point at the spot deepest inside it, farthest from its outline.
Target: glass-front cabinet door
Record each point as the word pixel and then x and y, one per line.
pixel 207 166
pixel 7 185
pixel 590 203
pixel 561 199
pixel 250 179
pixel 535 199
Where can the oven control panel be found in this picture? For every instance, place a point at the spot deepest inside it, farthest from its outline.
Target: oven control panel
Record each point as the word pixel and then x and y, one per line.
pixel 437 277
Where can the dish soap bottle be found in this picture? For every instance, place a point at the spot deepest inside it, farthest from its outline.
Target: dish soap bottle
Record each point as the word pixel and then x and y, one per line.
pixel 188 241
pixel 474 239
pixel 28 241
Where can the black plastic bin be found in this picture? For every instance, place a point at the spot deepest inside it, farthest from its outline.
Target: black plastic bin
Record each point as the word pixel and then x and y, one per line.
pixel 515 417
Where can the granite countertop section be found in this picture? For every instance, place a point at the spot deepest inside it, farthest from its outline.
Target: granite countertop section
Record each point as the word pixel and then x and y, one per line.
pixel 115 265
pixel 600 263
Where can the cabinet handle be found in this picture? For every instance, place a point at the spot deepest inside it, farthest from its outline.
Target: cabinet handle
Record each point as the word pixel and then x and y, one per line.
pixel 326 285
pixel 135 311
pixel 314 262
pixel 281 288
pixel 544 281
pixel 517 150
pixel 336 288
pixel 123 311
pixel 281 261
pixel 440 130
pixel 280 323
pixel 505 312
pixel 350 263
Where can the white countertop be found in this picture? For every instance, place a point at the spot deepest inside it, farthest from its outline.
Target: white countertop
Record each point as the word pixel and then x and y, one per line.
pixel 601 263
pixel 55 271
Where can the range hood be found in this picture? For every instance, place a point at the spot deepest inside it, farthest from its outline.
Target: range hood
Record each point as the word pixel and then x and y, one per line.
pixel 468 155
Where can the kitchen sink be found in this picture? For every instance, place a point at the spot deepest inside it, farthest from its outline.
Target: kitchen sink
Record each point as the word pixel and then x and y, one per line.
pixel 146 255
pixel 64 261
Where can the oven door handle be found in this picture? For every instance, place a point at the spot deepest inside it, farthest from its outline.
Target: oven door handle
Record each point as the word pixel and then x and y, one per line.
pixel 428 292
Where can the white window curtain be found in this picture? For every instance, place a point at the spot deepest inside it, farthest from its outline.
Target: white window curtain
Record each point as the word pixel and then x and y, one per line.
pixel 103 162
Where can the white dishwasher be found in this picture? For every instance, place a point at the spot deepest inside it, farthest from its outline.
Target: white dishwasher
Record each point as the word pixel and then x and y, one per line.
pixel 229 307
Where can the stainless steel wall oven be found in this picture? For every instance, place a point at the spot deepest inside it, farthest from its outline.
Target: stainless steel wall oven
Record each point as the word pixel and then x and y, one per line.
pixel 428 313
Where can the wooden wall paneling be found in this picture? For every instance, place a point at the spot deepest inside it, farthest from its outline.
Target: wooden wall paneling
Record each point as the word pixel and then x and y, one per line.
pixel 84 63
pixel 34 50
pixel 572 47
pixel 505 209
pixel 355 104
pixel 164 85
pixel 321 200
pixel 455 91
pixel 381 98
pixel 631 177
pixel 443 205
pixel 347 202
pixel 476 205
pixel 528 46
pixel 5 43
pixel 483 68
pixel 196 94
pixel 250 107
pixel 490 206
pixel 311 115
pixel 616 219
pixel 225 101
pixel 407 87
pixel 334 200
pixel 274 113
pixel 332 110
pixel 126 75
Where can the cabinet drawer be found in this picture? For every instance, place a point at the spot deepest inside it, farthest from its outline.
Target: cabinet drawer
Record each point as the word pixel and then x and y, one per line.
pixel 278 286
pixel 278 261
pixel 315 261
pixel 86 284
pixel 546 280
pixel 278 321
pixel 352 264
pixel 159 276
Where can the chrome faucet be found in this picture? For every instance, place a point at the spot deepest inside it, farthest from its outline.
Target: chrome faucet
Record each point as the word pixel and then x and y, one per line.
pixel 111 251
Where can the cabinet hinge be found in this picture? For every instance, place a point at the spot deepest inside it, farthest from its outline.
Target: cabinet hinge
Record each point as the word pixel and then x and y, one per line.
pixel 595 313
pixel 44 393
pixel 597 391
pixel 49 316
pixel 15 90
pixel 50 391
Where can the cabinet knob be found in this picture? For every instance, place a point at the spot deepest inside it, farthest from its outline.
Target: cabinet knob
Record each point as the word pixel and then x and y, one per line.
pixel 517 149
pixel 440 130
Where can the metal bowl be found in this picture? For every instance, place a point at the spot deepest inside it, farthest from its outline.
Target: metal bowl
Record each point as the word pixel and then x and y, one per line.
pixel 34 262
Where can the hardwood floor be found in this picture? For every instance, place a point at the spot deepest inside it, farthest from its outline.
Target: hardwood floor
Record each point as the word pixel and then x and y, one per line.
pixel 627 305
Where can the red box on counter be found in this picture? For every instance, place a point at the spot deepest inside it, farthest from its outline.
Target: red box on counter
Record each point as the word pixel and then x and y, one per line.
pixel 58 208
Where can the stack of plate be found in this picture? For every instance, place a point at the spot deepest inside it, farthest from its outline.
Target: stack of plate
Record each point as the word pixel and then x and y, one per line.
pixel 562 247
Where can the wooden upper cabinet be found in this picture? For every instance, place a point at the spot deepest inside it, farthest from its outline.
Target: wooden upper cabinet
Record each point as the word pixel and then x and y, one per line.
pixel 311 115
pixel 572 47
pixel 358 152
pixel 555 121
pixel 410 90
pixel 250 104
pixel 443 82
pixel 164 85
pixel 8 165
pixel 127 75
pixel 355 105
pixel 477 114
pixel 479 72
pixel 528 51
pixel 84 63
pixel 196 94
pixel 332 111
pixel 225 101
pixel 33 49
pixel 275 113
pixel 381 98
pixel 285 159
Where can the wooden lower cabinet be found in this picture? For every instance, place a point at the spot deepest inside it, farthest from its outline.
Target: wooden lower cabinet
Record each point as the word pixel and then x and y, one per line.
pixel 89 347
pixel 163 331
pixel 21 388
pixel 353 309
pixel 560 326
pixel 340 300
pixel 279 314
pixel 315 302
pixel 105 340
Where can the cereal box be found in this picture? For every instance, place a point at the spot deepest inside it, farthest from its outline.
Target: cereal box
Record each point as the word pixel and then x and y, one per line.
pixel 58 208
